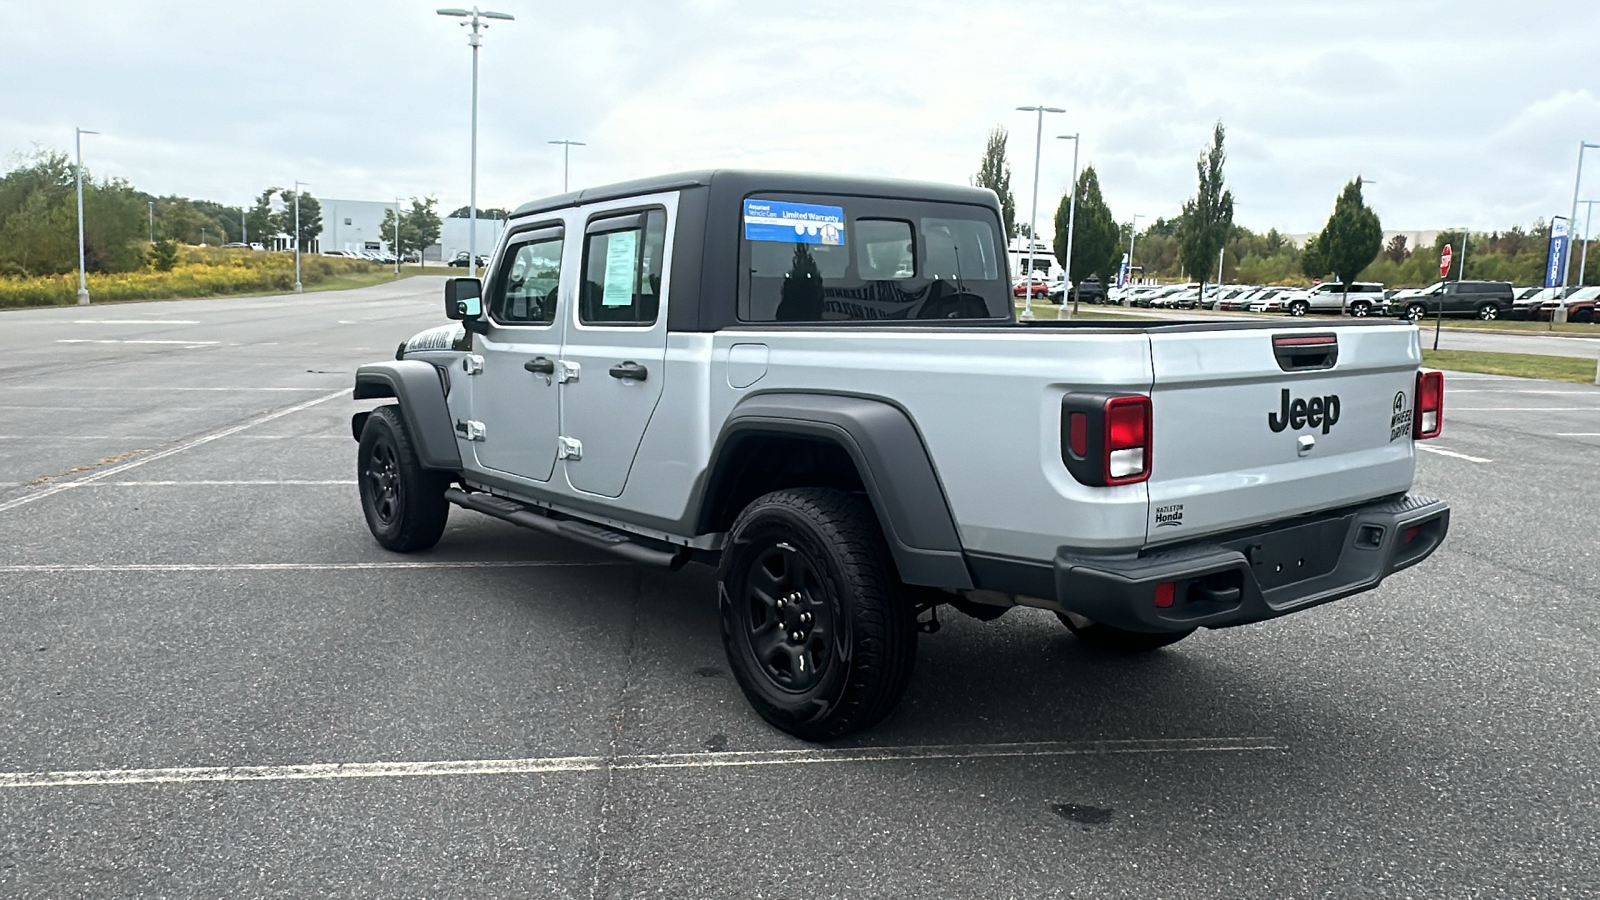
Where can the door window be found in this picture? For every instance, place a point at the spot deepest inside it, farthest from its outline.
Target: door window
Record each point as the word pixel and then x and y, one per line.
pixel 622 263
pixel 525 289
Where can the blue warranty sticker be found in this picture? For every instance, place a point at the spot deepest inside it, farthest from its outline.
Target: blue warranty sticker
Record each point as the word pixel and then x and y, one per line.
pixel 793 223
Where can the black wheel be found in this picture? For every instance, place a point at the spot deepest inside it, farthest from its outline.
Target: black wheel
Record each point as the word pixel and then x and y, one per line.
pixel 1118 640
pixel 1488 312
pixel 1416 312
pixel 403 502
pixel 816 631
pixel 1360 309
pixel 1298 308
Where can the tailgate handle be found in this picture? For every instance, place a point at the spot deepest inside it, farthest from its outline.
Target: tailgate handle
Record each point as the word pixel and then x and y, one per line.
pixel 1305 352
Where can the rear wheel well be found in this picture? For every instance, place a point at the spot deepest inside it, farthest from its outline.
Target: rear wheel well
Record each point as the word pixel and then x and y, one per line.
pixel 753 465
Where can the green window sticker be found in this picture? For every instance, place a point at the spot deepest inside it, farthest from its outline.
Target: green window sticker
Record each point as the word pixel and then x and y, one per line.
pixel 622 256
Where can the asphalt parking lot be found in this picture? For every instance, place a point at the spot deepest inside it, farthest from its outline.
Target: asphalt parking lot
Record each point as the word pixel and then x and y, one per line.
pixel 215 683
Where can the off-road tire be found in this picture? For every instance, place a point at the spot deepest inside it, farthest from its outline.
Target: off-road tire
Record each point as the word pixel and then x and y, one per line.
pixel 404 503
pixel 822 552
pixel 1119 640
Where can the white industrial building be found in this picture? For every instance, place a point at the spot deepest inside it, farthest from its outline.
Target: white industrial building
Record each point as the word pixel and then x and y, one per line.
pixel 357 225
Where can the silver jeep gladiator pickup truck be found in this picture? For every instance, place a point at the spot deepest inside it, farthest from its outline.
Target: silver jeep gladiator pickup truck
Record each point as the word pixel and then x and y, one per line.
pixel 819 386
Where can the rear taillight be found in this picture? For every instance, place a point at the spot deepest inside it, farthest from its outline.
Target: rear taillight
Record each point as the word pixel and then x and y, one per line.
pixel 1127 440
pixel 1429 418
pixel 1105 438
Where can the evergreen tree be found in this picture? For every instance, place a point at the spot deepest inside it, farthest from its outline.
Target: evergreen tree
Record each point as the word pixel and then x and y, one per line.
pixel 994 173
pixel 1208 216
pixel 1095 235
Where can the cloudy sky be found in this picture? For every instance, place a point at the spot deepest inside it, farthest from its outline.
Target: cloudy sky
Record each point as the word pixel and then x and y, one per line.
pixel 1466 111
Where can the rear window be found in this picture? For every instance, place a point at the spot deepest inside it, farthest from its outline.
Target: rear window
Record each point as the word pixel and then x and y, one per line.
pixel 813 258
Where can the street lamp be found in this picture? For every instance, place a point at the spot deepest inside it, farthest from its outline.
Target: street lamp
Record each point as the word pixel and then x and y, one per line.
pixel 474 17
pixel 152 221
pixel 397 245
pixel 566 153
pixel 1133 232
pixel 1583 263
pixel 1033 216
pixel 297 287
pixel 1072 217
pixel 1577 181
pixel 83 280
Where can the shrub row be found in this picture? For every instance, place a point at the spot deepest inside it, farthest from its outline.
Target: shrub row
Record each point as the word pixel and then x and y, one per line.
pixel 200 272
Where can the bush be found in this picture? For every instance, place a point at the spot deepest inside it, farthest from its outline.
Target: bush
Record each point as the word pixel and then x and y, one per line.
pixel 196 272
pixel 163 256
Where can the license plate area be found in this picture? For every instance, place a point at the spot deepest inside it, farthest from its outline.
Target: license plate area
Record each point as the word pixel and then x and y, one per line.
pixel 1288 555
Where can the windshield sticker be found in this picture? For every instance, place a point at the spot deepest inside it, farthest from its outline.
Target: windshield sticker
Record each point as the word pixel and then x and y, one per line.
pixel 621 258
pixel 793 223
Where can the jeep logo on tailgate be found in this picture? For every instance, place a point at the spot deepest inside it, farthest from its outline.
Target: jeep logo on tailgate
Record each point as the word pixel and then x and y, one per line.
pixel 1300 412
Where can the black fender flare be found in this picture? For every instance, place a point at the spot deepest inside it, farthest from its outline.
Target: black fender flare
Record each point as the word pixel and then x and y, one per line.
pixel 419 388
pixel 889 454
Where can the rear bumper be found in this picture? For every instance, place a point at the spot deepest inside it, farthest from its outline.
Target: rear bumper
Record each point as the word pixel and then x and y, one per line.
pixel 1259 574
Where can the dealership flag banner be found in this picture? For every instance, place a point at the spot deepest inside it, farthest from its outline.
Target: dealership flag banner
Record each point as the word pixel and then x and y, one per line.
pixel 1558 252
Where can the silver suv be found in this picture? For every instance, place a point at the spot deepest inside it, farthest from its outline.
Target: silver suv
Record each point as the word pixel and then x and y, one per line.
pixel 1363 299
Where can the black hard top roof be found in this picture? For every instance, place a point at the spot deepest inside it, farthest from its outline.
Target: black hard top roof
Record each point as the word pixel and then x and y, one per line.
pixel 744 181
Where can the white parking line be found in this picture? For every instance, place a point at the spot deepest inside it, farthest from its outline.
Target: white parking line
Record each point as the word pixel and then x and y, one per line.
pixel 1525 409
pixel 1524 391
pixel 165 389
pixel 136 321
pixel 555 764
pixel 1451 453
pixel 1578 434
pixel 54 568
pixel 110 341
pixel 287 482
pixel 163 454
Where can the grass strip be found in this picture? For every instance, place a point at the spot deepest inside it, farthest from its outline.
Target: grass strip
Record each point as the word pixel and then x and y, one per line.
pixel 1575 369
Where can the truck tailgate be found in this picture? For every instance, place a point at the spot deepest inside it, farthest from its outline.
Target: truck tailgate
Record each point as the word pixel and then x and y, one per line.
pixel 1239 440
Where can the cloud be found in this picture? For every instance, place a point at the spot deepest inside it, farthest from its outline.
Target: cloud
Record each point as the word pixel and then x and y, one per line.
pixel 369 99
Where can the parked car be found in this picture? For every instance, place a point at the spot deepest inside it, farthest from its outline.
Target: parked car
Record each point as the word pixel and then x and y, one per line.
pixel 460 260
pixel 909 445
pixel 1486 300
pixel 1363 299
pixel 1579 304
pixel 1274 300
pixel 1527 307
pixel 1089 291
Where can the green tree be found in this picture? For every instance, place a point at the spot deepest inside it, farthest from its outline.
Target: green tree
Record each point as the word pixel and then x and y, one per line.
pixel 422 223
pixel 1352 238
pixel 994 173
pixel 310 216
pixel 1395 251
pixel 1208 216
pixel 263 221
pixel 163 255
pixel 1096 248
pixel 39 219
pixel 493 212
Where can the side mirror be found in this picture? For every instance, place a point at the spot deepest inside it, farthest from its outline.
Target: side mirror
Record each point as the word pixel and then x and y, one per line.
pixel 463 298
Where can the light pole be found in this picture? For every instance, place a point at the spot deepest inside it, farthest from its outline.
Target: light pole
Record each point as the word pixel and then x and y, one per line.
pixel 152 221
pixel 244 228
pixel 397 245
pixel 1072 218
pixel 1577 181
pixel 1033 215
pixel 1133 232
pixel 83 280
pixel 297 287
pixel 474 17
pixel 1588 214
pixel 566 159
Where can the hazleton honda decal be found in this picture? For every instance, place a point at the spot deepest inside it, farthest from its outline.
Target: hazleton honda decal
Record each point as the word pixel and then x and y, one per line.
pixel 1400 422
pixel 1169 515
pixel 1300 413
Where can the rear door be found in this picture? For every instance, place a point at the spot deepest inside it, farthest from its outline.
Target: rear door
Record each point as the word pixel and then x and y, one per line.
pixel 614 355
pixel 1246 430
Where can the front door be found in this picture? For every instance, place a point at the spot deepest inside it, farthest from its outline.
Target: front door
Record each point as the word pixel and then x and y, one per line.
pixel 516 397
pixel 617 341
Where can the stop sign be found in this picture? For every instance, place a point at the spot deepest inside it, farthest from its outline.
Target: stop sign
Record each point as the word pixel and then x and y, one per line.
pixel 1444 261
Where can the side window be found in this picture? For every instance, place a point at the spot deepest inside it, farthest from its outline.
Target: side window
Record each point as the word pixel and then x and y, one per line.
pixel 527 285
pixel 622 264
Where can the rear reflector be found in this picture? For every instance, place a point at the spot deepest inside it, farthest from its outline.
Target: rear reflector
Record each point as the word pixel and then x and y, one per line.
pixel 1164 592
pixel 1078 434
pixel 1429 419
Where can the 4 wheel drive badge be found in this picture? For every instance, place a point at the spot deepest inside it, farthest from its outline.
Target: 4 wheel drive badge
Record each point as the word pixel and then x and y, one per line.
pixel 1400 422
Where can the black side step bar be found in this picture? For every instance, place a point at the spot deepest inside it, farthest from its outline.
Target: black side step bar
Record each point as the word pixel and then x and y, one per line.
pixel 584 533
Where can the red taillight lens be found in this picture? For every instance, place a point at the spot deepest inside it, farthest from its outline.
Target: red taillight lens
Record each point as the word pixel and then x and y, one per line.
pixel 1164 592
pixel 1127 448
pixel 1429 419
pixel 1078 434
